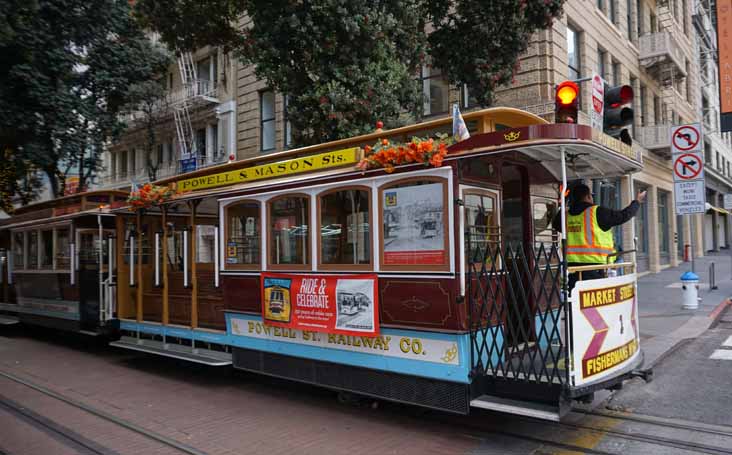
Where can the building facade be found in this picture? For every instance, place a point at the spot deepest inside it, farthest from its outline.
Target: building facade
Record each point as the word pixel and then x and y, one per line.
pixel 194 123
pixel 663 49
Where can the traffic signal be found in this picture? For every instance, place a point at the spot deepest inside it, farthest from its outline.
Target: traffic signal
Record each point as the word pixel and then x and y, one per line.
pixel 566 103
pixel 617 114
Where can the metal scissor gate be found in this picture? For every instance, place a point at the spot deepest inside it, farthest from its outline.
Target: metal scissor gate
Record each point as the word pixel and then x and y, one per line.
pixel 518 331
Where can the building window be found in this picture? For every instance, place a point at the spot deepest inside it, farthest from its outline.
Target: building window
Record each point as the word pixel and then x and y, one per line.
pixel 654 24
pixel 289 239
pixel 267 120
pixel 634 103
pixel 573 53
pixel 344 217
pixel 133 161
pixel 414 229
pixel 32 249
pixel 47 249
pixel 243 235
pixel 616 72
pixel 685 18
pixel 639 16
pixel 466 98
pixel 200 149
pixel 629 18
pixel 19 250
pixel 434 90
pixel 601 5
pixel 123 163
pixel 611 11
pixel 63 261
pixel 642 105
pixel 601 55
pixel 656 110
pixel 663 223
pixel 641 225
pixel 288 124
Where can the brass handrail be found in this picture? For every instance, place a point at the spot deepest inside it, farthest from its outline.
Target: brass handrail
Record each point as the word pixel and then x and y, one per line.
pixel 587 268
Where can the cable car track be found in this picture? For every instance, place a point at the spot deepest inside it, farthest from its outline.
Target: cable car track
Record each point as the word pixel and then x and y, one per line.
pixel 71 437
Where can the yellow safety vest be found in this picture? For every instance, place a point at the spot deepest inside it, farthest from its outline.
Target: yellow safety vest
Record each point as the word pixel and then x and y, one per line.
pixel 586 242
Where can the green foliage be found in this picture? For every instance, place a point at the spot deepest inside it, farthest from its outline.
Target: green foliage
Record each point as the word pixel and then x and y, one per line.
pixel 478 43
pixel 65 81
pixel 347 63
pixel 149 103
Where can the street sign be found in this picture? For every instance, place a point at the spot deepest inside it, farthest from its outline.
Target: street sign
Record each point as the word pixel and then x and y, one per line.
pixel 686 138
pixel 598 102
pixel 689 197
pixel 688 166
pixel 728 201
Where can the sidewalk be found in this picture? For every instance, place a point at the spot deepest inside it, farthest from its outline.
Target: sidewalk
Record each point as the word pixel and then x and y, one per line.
pixel 664 324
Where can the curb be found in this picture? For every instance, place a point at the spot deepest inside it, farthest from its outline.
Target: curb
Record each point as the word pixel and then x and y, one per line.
pixel 719 309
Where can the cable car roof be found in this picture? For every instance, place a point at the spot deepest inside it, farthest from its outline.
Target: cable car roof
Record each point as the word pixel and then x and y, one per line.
pixel 589 153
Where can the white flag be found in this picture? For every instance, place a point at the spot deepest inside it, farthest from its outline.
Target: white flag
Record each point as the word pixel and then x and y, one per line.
pixel 459 129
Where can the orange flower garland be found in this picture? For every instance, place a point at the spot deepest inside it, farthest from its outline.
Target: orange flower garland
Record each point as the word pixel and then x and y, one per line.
pixel 150 195
pixel 387 155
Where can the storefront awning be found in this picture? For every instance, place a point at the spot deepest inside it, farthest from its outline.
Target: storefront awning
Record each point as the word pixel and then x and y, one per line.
pixel 716 209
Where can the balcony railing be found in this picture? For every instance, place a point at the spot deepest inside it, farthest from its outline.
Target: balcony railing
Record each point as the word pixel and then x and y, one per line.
pixel 661 47
pixel 654 137
pixel 195 91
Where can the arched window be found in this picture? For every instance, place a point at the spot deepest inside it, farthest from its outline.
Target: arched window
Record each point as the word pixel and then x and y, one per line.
pixel 289 232
pixel 344 217
pixel 243 235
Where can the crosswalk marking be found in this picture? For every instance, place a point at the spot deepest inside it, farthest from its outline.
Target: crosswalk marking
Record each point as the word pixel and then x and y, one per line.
pixel 721 354
pixel 728 342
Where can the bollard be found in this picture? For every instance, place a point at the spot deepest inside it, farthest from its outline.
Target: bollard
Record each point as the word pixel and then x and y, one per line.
pixel 712 277
pixel 690 289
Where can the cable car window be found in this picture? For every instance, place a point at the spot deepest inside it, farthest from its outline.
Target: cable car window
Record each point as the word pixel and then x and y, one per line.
pixel 481 224
pixel 289 223
pixel 18 247
pixel 414 216
pixel 344 228
pixel 47 249
pixel 243 236
pixel 205 243
pixel 32 249
pixel 62 249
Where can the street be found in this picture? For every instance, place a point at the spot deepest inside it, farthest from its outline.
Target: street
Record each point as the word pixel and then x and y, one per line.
pixel 207 410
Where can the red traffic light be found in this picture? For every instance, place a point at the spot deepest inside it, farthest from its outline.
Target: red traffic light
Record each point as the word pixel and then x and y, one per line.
pixel 567 93
pixel 566 103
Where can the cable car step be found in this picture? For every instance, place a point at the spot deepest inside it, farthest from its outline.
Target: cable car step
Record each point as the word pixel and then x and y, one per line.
pixel 524 408
pixel 90 333
pixel 8 320
pixel 176 351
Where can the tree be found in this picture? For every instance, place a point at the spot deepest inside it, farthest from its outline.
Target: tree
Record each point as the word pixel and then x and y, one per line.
pixel 70 64
pixel 345 64
pixel 150 104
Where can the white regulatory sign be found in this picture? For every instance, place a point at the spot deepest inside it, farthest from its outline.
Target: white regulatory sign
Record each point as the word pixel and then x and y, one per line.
pixel 598 103
pixel 689 197
pixel 686 138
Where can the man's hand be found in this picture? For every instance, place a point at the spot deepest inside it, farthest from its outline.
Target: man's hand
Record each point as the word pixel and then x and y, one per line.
pixel 641 196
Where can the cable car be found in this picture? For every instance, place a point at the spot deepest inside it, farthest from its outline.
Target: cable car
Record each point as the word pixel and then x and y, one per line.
pixel 461 282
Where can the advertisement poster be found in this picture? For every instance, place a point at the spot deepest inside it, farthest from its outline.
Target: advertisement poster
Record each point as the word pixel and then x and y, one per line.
pixel 332 304
pixel 605 327
pixel 413 225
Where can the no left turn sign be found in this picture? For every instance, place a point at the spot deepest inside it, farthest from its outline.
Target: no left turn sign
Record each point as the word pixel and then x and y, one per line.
pixel 686 138
pixel 688 166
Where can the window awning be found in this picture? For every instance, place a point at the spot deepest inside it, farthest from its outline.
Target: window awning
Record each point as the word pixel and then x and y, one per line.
pixel 709 207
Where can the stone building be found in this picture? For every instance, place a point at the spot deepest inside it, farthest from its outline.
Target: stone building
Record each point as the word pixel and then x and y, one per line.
pixel 663 49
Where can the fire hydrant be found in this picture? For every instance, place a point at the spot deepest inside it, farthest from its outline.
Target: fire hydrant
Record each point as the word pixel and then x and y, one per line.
pixel 690 289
